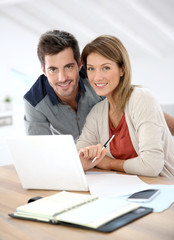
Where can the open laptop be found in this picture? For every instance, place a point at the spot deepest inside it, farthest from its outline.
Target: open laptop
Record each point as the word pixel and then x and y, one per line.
pixel 47 162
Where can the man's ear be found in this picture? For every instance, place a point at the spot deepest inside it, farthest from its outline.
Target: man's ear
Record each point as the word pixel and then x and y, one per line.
pixel 79 64
pixel 43 69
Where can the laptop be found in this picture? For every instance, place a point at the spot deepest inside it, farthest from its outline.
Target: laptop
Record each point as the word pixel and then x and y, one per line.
pixel 49 162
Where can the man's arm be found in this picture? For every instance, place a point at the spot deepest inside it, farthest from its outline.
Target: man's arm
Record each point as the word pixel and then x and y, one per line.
pixel 170 122
pixel 35 122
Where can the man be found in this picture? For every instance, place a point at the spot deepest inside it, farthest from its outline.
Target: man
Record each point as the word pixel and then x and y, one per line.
pixel 61 98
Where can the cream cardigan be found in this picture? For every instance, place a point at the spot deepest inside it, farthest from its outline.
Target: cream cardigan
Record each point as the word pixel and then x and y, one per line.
pixel 148 130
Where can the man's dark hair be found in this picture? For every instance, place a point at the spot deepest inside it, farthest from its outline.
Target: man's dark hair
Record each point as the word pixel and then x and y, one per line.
pixel 53 42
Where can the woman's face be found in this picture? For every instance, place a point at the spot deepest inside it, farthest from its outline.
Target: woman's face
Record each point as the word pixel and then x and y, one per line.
pixel 103 74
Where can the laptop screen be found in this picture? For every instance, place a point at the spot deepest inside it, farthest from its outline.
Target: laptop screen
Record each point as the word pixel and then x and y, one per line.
pixel 47 162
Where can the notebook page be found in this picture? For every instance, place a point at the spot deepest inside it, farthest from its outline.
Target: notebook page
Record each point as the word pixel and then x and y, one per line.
pixel 96 213
pixel 54 204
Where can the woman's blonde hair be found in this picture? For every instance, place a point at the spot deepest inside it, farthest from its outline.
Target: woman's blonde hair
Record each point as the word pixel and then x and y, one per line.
pixel 112 48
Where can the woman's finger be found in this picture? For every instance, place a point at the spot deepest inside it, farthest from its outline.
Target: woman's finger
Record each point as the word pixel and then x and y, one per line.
pixel 99 159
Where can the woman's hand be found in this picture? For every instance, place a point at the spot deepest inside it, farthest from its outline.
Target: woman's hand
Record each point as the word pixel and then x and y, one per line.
pixel 87 154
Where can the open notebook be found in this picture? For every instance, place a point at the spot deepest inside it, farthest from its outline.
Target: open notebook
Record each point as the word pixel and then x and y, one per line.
pixel 47 162
pixel 82 210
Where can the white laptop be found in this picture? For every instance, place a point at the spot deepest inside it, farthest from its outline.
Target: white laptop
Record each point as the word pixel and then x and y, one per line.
pixel 47 162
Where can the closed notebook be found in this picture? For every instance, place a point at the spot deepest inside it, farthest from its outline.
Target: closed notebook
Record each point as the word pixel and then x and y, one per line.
pixel 81 210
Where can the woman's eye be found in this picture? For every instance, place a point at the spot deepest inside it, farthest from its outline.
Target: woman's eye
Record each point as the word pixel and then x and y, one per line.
pixel 90 69
pixel 106 68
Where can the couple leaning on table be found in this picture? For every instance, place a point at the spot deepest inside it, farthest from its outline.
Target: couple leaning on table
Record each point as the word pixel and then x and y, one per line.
pixel 61 98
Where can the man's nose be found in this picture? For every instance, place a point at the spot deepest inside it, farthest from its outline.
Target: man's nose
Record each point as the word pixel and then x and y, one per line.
pixel 62 76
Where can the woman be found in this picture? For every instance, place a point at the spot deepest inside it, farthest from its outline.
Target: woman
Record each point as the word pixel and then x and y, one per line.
pixel 143 144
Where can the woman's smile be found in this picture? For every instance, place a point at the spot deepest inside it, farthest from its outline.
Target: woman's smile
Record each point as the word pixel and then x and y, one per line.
pixel 100 85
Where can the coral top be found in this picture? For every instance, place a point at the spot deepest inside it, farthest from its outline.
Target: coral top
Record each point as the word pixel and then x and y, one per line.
pixel 121 146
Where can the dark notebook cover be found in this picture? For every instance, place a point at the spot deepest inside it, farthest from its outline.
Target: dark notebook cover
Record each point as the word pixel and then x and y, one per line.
pixel 109 226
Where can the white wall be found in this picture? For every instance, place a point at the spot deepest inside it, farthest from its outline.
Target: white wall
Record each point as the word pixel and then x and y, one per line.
pixel 18 51
pixel 157 75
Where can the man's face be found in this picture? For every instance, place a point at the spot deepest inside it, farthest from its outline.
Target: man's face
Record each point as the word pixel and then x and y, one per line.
pixel 62 72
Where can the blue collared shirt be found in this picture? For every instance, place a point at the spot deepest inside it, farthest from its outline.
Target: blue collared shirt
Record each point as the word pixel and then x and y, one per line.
pixel 45 114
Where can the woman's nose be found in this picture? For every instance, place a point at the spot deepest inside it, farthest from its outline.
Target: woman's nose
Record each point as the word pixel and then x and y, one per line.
pixel 98 75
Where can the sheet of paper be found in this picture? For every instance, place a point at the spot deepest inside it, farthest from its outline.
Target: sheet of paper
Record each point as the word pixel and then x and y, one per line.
pixel 114 185
pixel 98 172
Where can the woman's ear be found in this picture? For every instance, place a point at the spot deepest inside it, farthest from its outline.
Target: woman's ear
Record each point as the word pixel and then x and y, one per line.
pixel 122 71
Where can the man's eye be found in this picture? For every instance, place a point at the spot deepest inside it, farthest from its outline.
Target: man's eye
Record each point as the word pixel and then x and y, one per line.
pixel 69 67
pixel 53 70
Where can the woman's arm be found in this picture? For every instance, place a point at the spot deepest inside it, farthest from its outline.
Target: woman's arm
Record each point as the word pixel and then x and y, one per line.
pixel 170 122
pixel 147 131
pixel 89 133
pixel 108 163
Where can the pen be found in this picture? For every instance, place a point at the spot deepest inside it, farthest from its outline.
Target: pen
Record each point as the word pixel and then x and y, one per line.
pixel 105 145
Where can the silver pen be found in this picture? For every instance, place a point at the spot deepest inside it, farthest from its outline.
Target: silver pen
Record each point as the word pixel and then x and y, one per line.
pixel 105 145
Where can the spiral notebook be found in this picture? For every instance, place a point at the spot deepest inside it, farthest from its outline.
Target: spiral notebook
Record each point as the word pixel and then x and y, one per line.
pixel 82 210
